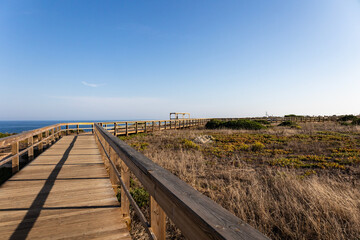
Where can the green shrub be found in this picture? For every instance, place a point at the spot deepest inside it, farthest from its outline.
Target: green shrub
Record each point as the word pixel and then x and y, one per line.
pixel 140 146
pixel 356 121
pixel 286 124
pixel 289 124
pixel 257 147
pixel 237 124
pixel 244 147
pixel 190 144
pixel 140 195
pixel 214 124
pixel 346 118
pixel 2 135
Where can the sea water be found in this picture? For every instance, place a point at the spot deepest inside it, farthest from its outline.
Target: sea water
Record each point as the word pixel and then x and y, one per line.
pixel 21 126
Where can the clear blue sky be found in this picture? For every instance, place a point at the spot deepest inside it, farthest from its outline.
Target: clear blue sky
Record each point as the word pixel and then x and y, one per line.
pixel 62 60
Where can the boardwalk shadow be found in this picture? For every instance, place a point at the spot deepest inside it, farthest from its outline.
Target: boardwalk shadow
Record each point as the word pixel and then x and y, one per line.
pixel 23 229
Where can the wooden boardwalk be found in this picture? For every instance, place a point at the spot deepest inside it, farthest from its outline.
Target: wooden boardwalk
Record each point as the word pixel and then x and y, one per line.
pixel 65 193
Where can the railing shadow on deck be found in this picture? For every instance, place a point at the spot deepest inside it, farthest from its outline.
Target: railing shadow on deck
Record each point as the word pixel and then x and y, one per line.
pixel 32 214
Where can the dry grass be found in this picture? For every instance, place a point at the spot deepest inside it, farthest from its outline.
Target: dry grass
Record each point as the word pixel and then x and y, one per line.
pixel 283 202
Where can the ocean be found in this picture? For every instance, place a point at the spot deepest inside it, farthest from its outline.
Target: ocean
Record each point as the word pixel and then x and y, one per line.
pixel 21 126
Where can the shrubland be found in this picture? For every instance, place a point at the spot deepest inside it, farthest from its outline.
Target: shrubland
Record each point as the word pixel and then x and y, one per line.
pixel 289 183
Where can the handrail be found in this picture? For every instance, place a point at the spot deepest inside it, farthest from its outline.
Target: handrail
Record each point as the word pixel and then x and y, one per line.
pixel 28 136
pixel 288 118
pixel 197 216
pixel 24 135
pixel 117 128
pixel 141 216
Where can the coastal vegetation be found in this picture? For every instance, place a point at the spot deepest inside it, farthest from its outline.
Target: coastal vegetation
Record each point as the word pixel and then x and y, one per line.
pixel 2 135
pixel 236 124
pixel 289 183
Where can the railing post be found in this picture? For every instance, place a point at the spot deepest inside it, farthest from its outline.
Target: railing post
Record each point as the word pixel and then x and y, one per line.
pixel 153 123
pixel 77 128
pixel 31 148
pixel 15 159
pixel 158 220
pixel 92 128
pixel 115 125
pixel 136 127
pixel 125 203
pixel 46 140
pixel 57 132
pixel 52 135
pixel 170 124
pixel 113 178
pixel 126 126
pixel 41 144
pixel 145 127
pixel 159 125
pixel 67 129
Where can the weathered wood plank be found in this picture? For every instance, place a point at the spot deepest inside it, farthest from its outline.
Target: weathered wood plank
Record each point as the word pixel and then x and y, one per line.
pixel 62 194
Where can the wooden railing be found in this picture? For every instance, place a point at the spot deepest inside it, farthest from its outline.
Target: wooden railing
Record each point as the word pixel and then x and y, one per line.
pixel 194 214
pixel 131 127
pixel 197 216
pixel 39 138
pixel 23 143
pixel 293 119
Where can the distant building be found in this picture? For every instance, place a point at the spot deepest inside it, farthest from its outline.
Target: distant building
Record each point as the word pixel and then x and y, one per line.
pixel 179 115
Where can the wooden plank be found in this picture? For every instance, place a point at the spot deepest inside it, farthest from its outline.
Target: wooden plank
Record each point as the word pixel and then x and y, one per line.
pixel 63 194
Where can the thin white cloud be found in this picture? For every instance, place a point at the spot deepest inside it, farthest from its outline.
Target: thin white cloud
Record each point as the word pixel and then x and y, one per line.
pixel 94 85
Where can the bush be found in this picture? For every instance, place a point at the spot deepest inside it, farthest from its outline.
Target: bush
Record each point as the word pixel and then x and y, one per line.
pixel 2 135
pixel 213 124
pixel 356 121
pixel 289 124
pixel 238 124
pixel 244 124
pixel 141 196
pixel 244 147
pixel 258 146
pixel 190 144
pixel 346 118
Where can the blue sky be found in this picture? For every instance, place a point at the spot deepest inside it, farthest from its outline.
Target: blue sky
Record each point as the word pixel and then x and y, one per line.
pixel 62 60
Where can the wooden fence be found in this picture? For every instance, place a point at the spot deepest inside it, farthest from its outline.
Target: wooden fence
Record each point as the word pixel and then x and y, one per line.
pixel 197 216
pixel 293 119
pixel 24 143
